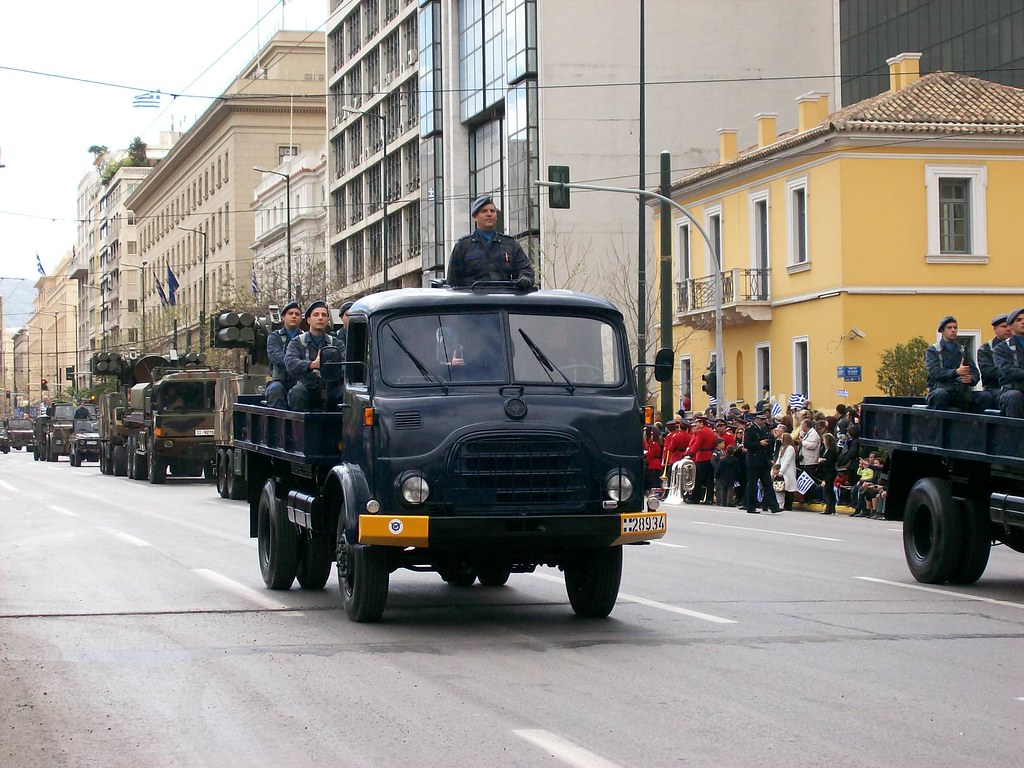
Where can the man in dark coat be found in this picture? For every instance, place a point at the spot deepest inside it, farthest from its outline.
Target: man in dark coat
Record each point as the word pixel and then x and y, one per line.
pixel 487 254
pixel 758 443
pixel 1010 358
pixel 952 373
pixel 277 343
pixel 986 357
pixel 303 359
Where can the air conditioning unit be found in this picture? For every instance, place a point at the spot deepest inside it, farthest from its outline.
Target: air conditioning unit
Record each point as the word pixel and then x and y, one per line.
pixel 411 56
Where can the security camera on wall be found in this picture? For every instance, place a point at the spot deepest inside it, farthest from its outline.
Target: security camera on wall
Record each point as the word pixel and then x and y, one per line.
pixel 857 332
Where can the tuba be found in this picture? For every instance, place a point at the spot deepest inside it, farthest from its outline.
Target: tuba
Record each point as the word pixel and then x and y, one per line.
pixel 689 474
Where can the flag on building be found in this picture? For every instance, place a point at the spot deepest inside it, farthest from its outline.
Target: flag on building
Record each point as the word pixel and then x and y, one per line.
pixel 39 266
pixel 796 401
pixel 255 284
pixel 804 482
pixel 172 286
pixel 160 291
pixel 147 99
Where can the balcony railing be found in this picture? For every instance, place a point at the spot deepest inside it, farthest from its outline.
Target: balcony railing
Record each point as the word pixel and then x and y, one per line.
pixel 745 298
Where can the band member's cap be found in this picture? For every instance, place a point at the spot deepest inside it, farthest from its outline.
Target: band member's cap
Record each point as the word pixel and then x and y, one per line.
pixel 946 321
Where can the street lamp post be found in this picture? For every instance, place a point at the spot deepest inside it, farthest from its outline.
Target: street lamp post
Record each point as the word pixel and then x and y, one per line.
pixel 288 220
pixel 383 188
pixel 202 309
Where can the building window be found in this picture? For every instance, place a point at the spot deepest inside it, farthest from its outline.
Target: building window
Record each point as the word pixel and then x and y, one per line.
pixel 683 265
pixel 957 227
pixel 521 39
pixel 801 368
pixel 430 95
pixel 286 151
pixel 713 226
pixel 763 367
pixel 485 163
pixel 796 223
pixel 432 204
pixel 759 245
pixel 523 161
pixel 685 382
pixel 481 55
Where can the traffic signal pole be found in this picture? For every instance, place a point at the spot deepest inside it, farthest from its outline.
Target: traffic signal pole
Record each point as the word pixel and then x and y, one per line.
pixel 719 355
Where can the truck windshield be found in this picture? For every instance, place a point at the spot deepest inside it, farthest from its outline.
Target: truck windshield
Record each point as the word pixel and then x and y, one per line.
pixel 185 396
pixel 63 412
pixel 21 424
pixel 86 425
pixel 425 350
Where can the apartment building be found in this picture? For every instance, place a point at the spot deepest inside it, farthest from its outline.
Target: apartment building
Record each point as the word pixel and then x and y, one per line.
pixel 290 247
pixel 52 335
pixel 193 211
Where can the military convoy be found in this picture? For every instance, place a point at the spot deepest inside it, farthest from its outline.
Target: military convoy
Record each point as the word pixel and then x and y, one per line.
pixel 21 434
pixel 53 432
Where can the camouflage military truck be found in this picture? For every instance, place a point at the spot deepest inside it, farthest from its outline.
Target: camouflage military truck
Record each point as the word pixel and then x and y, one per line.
pixel 21 434
pixel 53 432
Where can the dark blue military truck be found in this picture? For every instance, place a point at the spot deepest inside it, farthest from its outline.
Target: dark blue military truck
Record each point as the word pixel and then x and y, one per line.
pixel 955 479
pixel 477 433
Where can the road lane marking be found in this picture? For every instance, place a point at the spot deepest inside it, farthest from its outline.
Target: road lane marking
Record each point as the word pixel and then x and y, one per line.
pixel 946 592
pixel 241 590
pixel 652 603
pixel 7 486
pixel 63 511
pixel 126 537
pixel 563 749
pixel 667 544
pixel 764 530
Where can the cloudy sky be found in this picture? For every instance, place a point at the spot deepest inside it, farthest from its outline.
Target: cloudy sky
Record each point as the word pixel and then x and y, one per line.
pixel 69 73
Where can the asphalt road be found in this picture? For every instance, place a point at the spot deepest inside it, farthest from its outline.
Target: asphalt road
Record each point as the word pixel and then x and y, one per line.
pixel 135 631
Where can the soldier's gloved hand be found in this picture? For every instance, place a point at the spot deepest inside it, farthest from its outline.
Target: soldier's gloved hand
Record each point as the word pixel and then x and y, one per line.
pixel 523 283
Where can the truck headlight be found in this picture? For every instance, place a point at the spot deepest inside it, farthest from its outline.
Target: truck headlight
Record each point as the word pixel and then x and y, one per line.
pixel 414 489
pixel 618 486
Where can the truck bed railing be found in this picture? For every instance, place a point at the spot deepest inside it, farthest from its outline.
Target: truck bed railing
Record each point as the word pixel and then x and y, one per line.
pixel 904 424
pixel 306 438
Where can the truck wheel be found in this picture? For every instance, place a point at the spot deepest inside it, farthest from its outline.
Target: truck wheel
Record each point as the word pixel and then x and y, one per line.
pixel 931 531
pixel 35 454
pixel 236 483
pixel 209 471
pixel 976 544
pixel 277 541
pixel 73 460
pixel 157 468
pixel 222 478
pixel 141 466
pixel 461 576
pixel 592 582
pixel 316 556
pixel 363 576
pixel 119 458
pixel 493 577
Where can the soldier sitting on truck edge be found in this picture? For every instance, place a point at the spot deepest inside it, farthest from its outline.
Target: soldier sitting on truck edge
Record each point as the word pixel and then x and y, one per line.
pixel 952 373
pixel 302 359
pixel 986 357
pixel 277 345
pixel 1009 356
pixel 487 254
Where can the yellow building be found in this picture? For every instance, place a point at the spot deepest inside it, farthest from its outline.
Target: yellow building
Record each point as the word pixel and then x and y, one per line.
pixel 853 233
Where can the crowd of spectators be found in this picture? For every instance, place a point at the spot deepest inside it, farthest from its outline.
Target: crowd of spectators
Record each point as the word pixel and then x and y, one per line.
pixel 815 457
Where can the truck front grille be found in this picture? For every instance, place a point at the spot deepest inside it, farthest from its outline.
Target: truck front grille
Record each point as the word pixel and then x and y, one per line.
pixel 517 472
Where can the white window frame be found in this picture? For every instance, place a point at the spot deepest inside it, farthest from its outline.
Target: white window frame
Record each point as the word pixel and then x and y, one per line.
pixel 797 340
pixel 792 243
pixel 710 265
pixel 684 254
pixel 977 175
pixel 685 379
pixel 759 372
pixel 970 333
pixel 755 231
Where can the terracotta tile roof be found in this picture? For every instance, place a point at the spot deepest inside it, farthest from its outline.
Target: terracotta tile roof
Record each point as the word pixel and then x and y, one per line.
pixel 937 103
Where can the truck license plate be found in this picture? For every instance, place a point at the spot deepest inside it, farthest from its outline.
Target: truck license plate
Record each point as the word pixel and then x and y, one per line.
pixel 204 433
pixel 655 522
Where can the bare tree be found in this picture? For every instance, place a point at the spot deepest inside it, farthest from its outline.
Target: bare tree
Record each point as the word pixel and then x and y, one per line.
pixel 565 261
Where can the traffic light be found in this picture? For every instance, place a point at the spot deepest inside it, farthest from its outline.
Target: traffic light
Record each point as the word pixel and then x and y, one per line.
pixel 710 384
pixel 558 197
pixel 232 330
pixel 43 385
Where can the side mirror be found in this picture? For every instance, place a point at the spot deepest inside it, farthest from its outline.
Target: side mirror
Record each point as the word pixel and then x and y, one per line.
pixel 119 413
pixel 332 367
pixel 664 362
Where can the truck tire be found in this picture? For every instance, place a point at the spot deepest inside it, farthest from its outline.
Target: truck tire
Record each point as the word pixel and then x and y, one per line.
pixel 493 577
pixel 976 544
pixel 931 531
pixel 73 459
pixel 119 459
pixel 157 474
pixel 104 461
pixel 277 541
pixel 222 476
pixel 592 581
pixel 236 483
pixel 363 576
pixel 316 556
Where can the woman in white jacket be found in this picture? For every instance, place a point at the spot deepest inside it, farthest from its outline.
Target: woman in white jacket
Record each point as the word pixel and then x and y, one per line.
pixel 787 468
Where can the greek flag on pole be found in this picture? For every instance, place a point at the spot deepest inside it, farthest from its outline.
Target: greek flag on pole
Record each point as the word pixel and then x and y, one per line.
pixel 172 286
pixel 804 482
pixel 147 99
pixel 255 285
pixel 712 401
pixel 796 401
pixel 776 409
pixel 160 292
pixel 39 266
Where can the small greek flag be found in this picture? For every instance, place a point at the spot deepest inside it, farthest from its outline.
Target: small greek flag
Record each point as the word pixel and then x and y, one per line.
pixel 796 401
pixel 712 401
pixel 804 482
pixel 147 99
pixel 39 266
pixel 760 494
pixel 255 285
pixel 776 409
pixel 160 292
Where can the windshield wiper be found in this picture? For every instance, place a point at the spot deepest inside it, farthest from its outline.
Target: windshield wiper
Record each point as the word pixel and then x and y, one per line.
pixel 424 371
pixel 543 360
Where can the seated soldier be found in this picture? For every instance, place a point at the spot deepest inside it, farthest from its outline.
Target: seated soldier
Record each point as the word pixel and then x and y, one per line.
pixel 302 361
pixel 953 374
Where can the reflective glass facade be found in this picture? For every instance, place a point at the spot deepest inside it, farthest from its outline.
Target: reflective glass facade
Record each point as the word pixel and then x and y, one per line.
pixel 983 38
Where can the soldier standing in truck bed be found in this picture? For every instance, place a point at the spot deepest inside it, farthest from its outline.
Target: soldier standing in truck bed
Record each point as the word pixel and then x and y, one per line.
pixel 486 254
